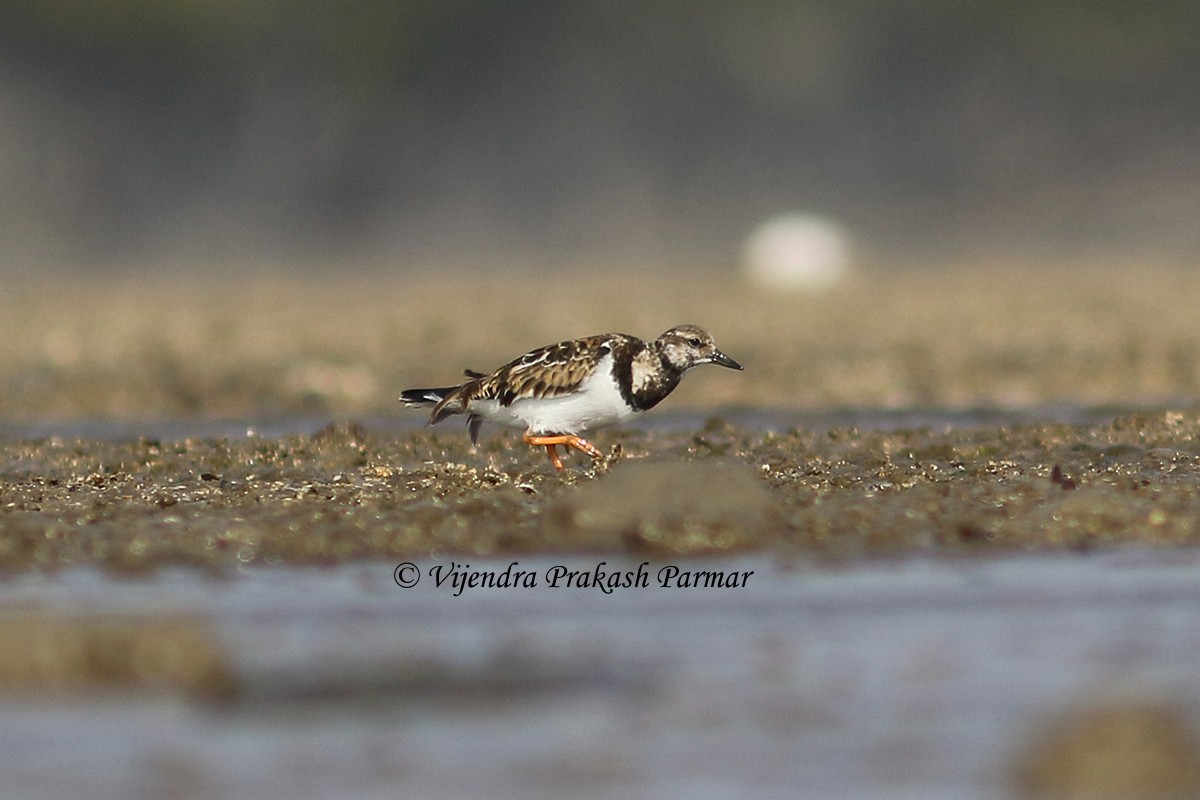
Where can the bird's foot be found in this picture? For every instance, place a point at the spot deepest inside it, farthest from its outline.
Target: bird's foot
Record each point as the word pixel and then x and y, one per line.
pixel 566 440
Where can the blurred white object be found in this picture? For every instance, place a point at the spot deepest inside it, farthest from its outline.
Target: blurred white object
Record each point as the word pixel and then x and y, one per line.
pixel 797 251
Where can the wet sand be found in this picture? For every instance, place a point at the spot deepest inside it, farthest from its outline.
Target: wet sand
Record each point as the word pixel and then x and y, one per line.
pixel 346 492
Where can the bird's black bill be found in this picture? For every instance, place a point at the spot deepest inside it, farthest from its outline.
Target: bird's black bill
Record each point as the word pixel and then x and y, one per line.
pixel 723 360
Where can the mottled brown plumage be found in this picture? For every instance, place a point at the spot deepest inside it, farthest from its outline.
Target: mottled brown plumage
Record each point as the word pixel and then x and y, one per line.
pixel 563 389
pixel 549 371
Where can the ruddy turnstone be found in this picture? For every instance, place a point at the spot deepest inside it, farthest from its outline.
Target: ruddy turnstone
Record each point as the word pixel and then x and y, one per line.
pixel 560 391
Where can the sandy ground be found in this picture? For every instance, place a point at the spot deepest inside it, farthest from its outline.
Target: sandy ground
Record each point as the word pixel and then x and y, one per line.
pixel 345 493
pixel 336 349
pixel 345 346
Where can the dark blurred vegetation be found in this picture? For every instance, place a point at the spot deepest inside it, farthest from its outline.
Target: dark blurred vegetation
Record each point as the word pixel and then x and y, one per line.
pixel 661 131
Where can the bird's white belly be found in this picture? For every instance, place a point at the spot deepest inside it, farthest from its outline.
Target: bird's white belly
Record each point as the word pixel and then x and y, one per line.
pixel 597 403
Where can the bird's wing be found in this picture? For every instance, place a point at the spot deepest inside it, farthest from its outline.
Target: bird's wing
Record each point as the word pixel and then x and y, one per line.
pixel 550 371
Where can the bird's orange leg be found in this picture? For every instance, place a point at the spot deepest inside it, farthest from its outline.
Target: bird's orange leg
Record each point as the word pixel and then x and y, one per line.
pixel 566 440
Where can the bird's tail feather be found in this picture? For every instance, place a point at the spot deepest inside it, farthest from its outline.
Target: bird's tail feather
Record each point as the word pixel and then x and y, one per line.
pixel 425 397
pixel 446 401
pixel 429 397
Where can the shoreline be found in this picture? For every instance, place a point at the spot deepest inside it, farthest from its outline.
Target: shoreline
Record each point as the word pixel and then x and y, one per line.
pixel 347 491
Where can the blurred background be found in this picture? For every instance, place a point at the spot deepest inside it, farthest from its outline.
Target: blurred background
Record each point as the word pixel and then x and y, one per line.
pixel 482 133
pixel 286 207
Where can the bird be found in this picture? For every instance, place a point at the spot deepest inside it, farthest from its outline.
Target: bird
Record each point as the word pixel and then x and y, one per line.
pixel 559 392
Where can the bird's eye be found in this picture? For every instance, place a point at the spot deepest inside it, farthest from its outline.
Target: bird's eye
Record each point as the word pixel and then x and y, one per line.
pixel 694 342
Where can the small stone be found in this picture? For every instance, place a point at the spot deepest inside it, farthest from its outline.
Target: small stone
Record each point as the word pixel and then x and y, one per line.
pixel 690 507
pixel 1115 751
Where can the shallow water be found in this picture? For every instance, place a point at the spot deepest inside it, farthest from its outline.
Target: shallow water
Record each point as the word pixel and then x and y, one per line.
pixel 922 678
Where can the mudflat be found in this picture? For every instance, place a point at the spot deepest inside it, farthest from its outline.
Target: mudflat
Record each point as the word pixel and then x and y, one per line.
pixel 340 349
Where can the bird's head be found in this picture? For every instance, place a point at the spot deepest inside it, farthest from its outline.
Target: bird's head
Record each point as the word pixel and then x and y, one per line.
pixel 687 346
